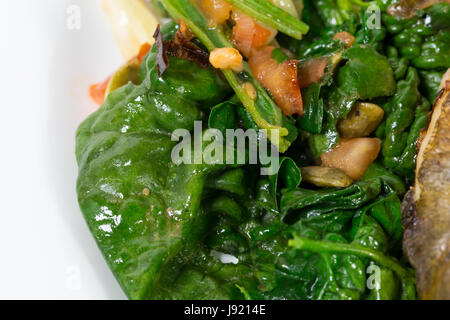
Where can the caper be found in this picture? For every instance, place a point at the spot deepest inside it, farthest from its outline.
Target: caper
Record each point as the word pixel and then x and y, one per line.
pixel 362 120
pixel 326 177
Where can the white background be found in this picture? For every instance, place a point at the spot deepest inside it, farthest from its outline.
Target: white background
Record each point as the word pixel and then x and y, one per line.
pixel 46 250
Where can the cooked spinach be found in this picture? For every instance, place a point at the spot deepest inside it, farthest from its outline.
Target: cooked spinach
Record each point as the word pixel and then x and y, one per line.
pixel 165 227
pixel 418 52
pixel 365 75
pixel 263 109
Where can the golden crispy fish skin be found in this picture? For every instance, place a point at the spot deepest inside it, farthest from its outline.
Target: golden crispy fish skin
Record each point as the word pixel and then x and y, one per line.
pixel 426 207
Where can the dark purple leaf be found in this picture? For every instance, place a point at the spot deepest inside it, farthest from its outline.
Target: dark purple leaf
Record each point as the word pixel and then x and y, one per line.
pixel 162 63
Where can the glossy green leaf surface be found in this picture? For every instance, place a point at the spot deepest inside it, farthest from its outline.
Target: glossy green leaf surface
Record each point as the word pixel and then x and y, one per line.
pixel 165 227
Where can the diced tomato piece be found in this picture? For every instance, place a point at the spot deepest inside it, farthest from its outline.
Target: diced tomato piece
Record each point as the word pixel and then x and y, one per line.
pixel 243 33
pixel 97 91
pixel 145 48
pixel 312 71
pixel 280 79
pixel 261 36
pixel 248 35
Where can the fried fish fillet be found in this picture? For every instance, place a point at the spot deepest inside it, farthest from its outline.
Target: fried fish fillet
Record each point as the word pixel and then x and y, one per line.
pixel 426 207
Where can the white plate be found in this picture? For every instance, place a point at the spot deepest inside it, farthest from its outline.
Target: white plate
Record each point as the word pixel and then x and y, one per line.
pixel 46 249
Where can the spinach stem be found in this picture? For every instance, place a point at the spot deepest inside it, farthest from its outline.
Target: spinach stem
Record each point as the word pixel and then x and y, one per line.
pixel 214 38
pixel 302 243
pixel 272 16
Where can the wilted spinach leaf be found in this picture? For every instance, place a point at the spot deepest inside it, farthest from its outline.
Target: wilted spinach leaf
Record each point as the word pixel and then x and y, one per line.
pixel 366 75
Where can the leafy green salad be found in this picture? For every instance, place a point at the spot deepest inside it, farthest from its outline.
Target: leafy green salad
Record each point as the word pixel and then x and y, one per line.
pixel 341 89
